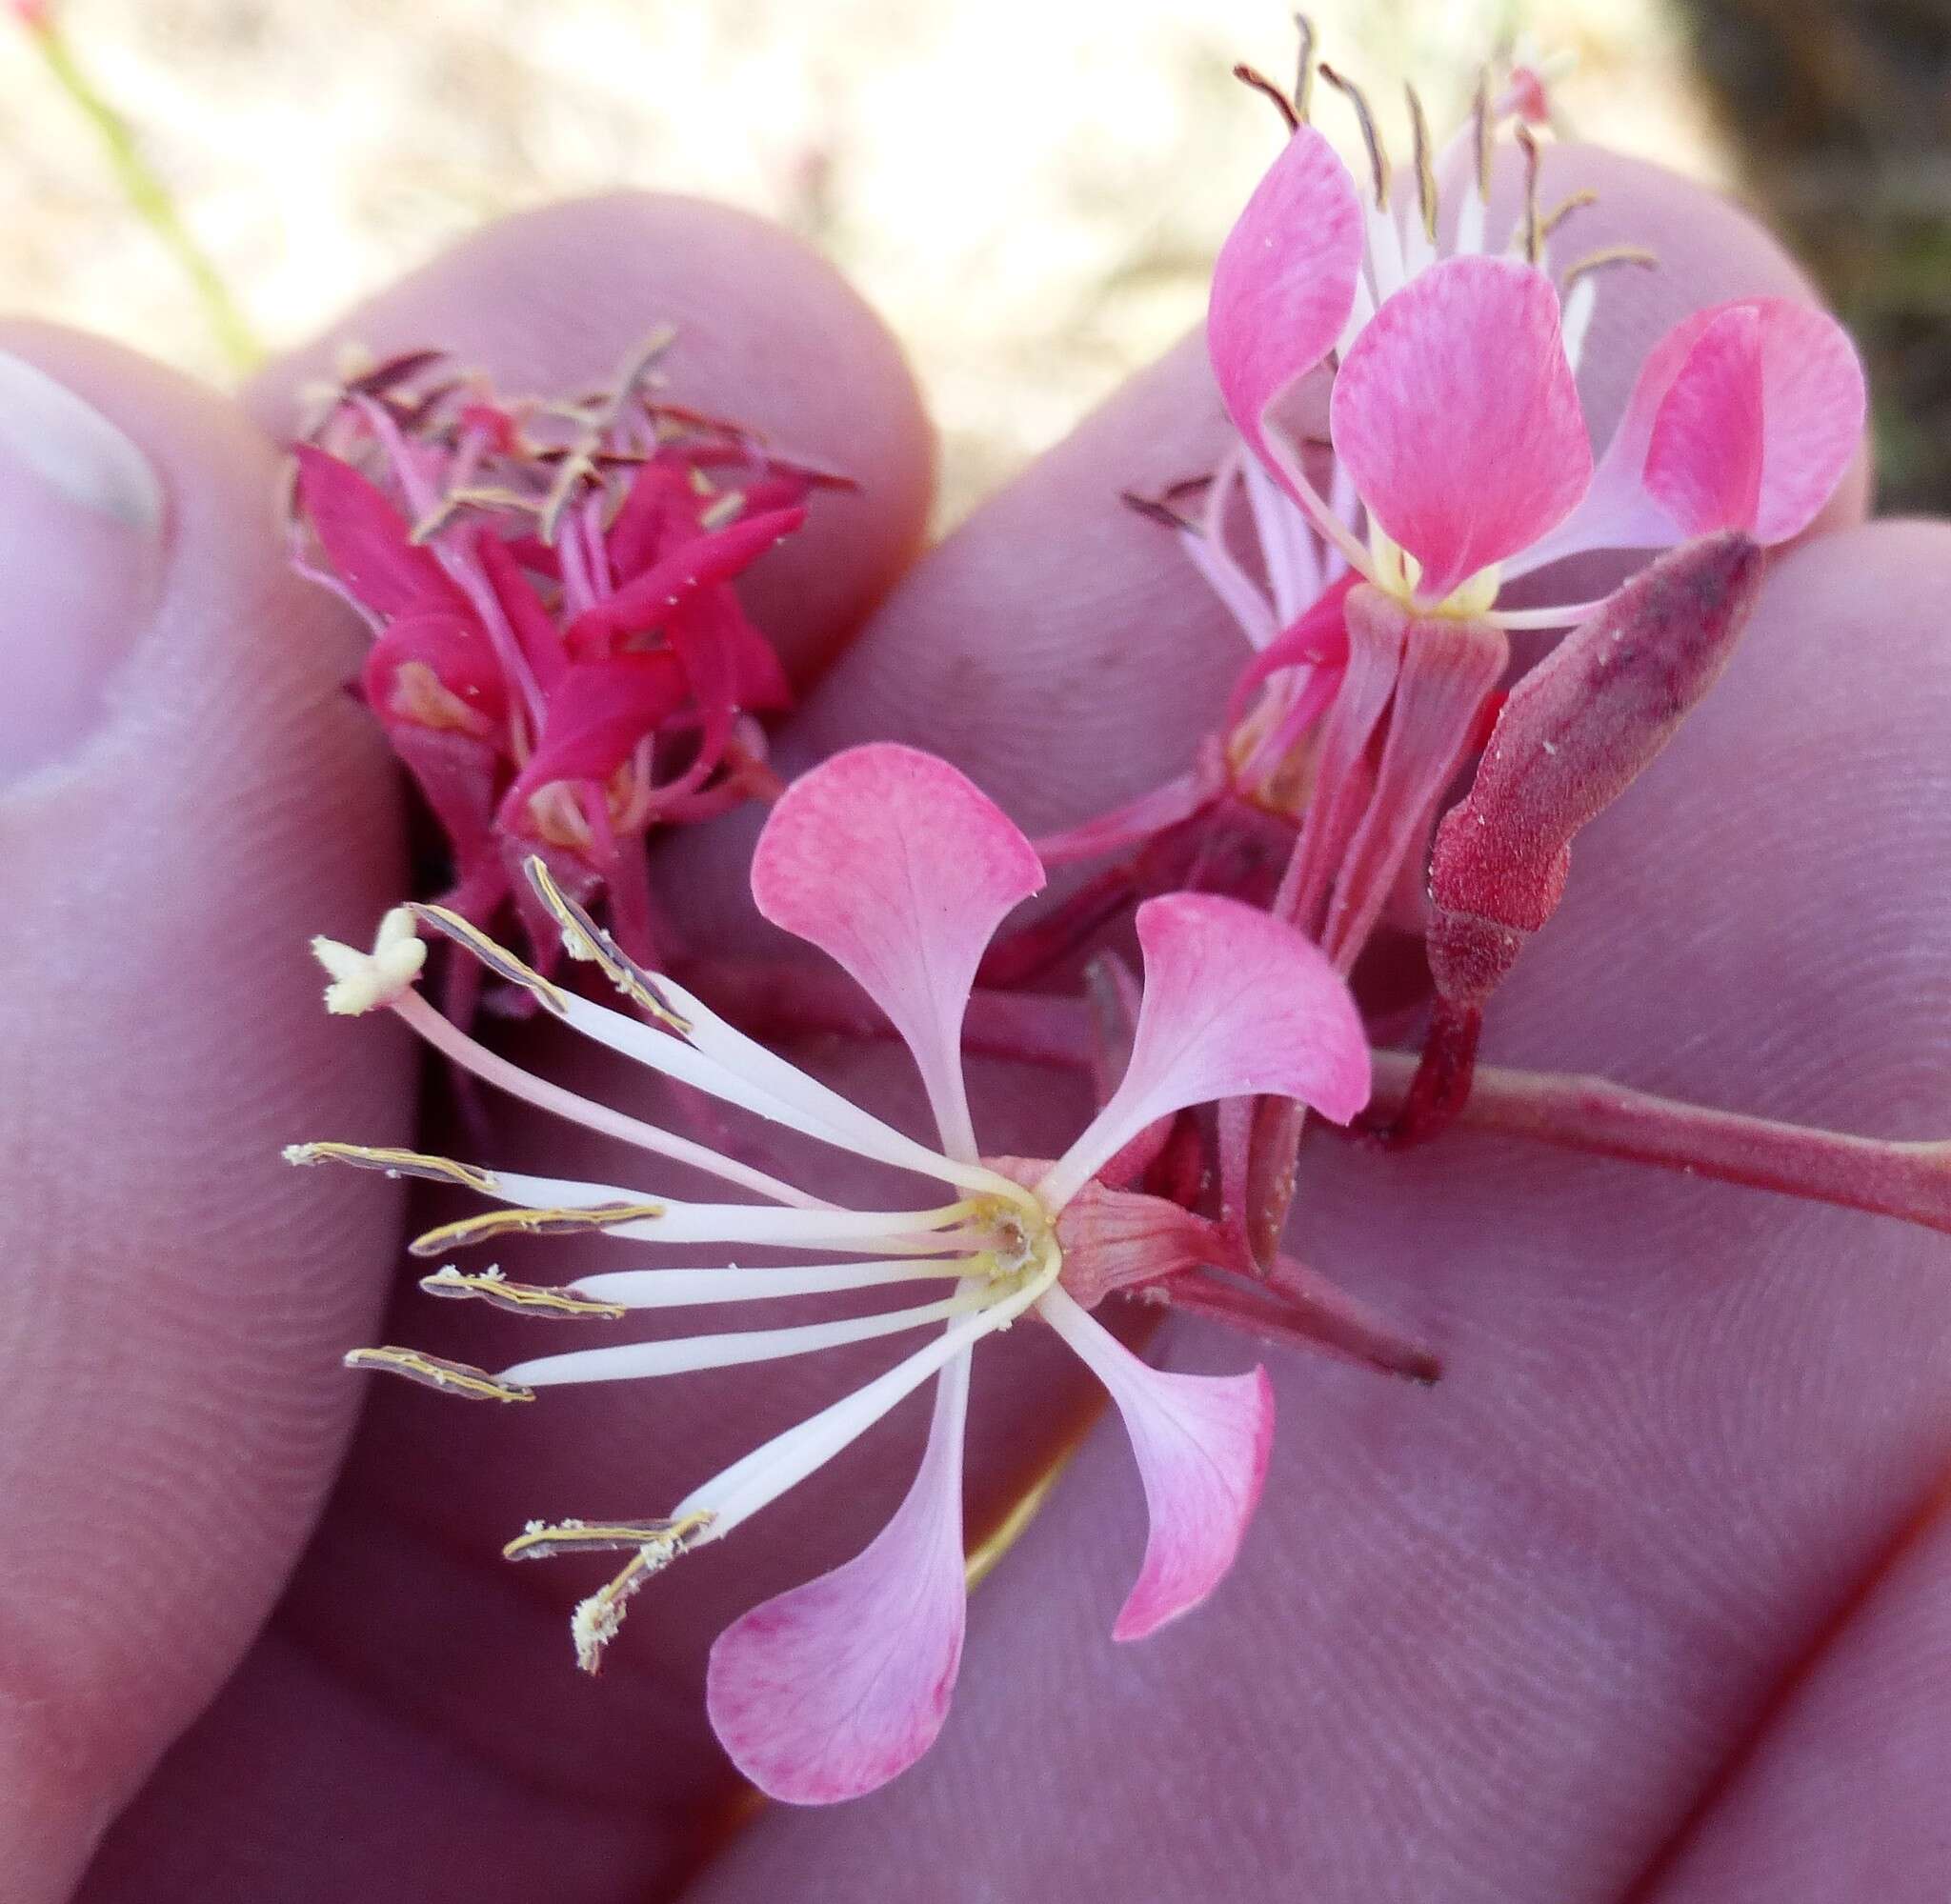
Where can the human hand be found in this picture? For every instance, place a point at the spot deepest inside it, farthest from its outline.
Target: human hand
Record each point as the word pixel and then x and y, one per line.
pixel 1651 1567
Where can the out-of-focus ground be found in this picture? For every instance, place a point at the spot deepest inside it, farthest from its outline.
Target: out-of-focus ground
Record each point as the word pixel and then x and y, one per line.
pixel 1031 191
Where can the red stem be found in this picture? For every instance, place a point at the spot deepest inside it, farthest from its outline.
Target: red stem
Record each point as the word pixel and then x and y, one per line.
pixel 1911 1181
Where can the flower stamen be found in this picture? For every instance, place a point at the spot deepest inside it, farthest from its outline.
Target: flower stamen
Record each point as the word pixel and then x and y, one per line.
pixel 583 939
pixel 490 1224
pixel 1425 165
pixel 497 959
pixel 492 1287
pixel 1380 171
pixel 397 1164
pixel 436 1372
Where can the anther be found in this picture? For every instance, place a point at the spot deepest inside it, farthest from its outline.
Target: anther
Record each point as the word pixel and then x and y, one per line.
pixel 1533 231
pixel 1482 132
pixel 578 467
pixel 1154 510
pixel 435 1372
pixel 396 1164
pixel 523 1222
pixel 1426 166
pixel 454 501
pixel 598 1620
pixel 1575 201
pixel 583 939
pixel 542 1540
pixel 1371 134
pixel 491 1286
pixel 499 960
pixel 1248 76
pixel 1603 260
pixel 640 363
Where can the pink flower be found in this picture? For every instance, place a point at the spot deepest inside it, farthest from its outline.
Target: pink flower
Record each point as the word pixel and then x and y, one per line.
pixel 900 870
pixel 559 656
pixel 1454 411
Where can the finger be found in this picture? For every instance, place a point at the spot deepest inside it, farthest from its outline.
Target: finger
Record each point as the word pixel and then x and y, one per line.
pixel 184 794
pixel 1497 1640
pixel 769 335
pixel 1843 1794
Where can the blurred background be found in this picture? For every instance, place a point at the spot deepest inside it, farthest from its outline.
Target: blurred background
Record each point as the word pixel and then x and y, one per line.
pixel 1030 190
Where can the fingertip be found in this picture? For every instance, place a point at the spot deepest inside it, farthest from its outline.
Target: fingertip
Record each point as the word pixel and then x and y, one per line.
pixel 769 335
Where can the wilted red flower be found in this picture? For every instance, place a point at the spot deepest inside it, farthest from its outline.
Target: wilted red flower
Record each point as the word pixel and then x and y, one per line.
pixel 558 655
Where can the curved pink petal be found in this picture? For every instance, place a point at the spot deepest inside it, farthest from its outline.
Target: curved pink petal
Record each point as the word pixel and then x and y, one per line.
pixel 1703 462
pixel 1812 409
pixel 660 510
pixel 1811 424
pixel 901 868
pixel 1237 1004
pixel 1202 1443
pixel 829 1689
pixel 1318 637
pixel 1284 280
pixel 366 539
pixel 597 713
pixel 1457 416
pixel 451 650
pixel 646 600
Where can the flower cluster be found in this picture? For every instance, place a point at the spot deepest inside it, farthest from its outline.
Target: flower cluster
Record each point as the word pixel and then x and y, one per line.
pixel 560 660
pixel 558 655
pixel 1403 378
pixel 895 866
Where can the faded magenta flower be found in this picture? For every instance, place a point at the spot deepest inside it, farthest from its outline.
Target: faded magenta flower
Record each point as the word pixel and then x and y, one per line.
pixel 559 656
pixel 900 870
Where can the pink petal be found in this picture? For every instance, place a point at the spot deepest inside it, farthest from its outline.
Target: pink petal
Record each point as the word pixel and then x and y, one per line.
pixel 830 1690
pixel 660 509
pixel 1316 637
pixel 366 539
pixel 1703 464
pixel 1202 1443
pixel 1136 822
pixel 646 601
pixel 534 628
pixel 1457 416
pixel 456 652
pixel 727 658
pixel 1811 408
pixel 1237 1004
pixel 1284 281
pixel 597 713
pixel 1811 423
pixel 900 869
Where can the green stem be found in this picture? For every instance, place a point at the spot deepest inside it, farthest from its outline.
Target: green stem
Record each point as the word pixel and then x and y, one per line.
pixel 151 198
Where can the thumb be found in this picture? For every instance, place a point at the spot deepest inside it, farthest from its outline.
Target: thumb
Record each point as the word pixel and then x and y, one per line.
pixel 185 794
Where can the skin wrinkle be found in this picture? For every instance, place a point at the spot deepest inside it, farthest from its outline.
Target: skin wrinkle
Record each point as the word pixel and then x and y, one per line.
pixel 1858 1603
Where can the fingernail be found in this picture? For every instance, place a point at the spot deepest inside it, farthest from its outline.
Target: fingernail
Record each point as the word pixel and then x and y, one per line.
pixel 81 516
